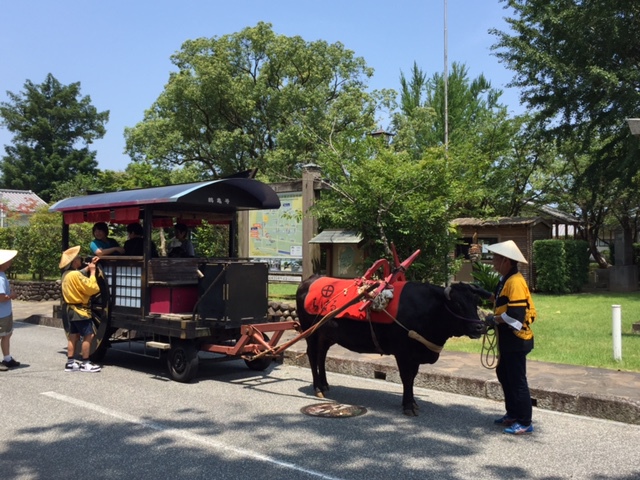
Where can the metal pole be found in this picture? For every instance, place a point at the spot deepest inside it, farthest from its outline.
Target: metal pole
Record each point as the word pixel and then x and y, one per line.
pixel 617 332
pixel 445 78
pixel 446 81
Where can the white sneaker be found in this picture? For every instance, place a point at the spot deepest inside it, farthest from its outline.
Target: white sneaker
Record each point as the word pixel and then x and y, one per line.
pixel 90 367
pixel 72 366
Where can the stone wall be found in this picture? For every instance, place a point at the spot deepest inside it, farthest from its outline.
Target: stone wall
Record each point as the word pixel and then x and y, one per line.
pixel 36 291
pixel 281 312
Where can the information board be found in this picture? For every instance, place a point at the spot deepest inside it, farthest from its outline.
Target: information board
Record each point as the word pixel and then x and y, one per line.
pixel 275 236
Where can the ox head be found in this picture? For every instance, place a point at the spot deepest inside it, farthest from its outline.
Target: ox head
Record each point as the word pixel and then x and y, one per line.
pixel 462 300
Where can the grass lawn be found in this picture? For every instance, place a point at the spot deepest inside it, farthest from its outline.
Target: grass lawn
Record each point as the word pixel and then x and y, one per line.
pixel 576 330
pixel 570 329
pixel 283 292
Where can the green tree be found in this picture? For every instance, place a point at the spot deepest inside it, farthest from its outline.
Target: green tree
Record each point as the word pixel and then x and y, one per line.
pixel 576 65
pixel 253 99
pixel 388 197
pixel 44 242
pixel 494 165
pixel 137 175
pixel 522 176
pixel 52 128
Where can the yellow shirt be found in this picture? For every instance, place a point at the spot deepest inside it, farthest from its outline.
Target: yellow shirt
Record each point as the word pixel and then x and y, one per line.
pixel 77 291
pixel 515 300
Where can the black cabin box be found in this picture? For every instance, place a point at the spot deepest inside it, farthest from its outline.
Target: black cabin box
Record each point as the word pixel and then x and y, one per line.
pixel 234 293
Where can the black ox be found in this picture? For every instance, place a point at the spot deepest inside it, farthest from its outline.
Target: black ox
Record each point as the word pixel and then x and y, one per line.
pixel 432 312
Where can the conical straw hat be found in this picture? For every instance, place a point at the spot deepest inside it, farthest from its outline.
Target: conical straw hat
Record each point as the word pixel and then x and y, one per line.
pixel 6 255
pixel 68 255
pixel 508 249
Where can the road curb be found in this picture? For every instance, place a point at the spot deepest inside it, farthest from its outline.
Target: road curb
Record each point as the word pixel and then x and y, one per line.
pixel 43 320
pixel 608 407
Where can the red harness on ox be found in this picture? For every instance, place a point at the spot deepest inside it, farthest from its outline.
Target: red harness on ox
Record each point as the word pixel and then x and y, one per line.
pixel 328 294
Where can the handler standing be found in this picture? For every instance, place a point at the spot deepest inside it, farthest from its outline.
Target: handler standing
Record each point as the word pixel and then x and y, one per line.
pixel 513 314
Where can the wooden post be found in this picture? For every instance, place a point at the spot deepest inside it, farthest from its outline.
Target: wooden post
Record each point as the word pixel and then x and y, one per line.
pixel 310 252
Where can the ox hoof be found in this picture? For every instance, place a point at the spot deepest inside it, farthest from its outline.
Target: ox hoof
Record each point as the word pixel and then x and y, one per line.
pixel 412 410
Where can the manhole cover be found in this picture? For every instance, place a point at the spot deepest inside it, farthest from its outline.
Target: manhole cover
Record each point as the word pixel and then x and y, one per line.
pixel 333 410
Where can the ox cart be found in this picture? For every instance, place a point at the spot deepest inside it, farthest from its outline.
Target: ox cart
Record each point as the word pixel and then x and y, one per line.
pixel 178 307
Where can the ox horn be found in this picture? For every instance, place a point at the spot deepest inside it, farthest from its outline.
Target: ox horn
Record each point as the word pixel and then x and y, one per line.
pixel 447 292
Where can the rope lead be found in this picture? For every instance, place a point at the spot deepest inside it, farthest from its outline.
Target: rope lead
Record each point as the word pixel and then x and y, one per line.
pixel 489 355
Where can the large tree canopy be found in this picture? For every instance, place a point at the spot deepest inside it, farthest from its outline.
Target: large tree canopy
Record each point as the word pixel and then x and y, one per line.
pixel 576 63
pixel 408 191
pixel 52 128
pixel 492 166
pixel 254 99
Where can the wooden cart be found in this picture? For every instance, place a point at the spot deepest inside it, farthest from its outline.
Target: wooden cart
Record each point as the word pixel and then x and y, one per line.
pixel 177 307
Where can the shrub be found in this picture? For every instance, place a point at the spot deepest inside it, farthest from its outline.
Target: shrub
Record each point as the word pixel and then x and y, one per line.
pixel 551 270
pixel 562 266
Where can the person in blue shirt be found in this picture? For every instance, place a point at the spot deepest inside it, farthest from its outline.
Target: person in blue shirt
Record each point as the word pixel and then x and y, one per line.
pixel 103 245
pixel 6 311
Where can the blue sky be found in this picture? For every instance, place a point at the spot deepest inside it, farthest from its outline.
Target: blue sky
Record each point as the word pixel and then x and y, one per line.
pixel 119 50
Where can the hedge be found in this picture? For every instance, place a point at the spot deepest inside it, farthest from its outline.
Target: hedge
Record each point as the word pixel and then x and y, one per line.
pixel 562 266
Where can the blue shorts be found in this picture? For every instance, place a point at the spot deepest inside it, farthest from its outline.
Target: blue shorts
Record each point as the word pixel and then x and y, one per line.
pixel 82 327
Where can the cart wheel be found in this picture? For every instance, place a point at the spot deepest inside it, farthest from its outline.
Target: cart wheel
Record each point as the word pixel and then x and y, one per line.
pixel 182 361
pixel 262 363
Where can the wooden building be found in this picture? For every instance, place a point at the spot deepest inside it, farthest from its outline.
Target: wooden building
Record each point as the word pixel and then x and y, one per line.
pixel 341 255
pixel 476 234
pixel 16 206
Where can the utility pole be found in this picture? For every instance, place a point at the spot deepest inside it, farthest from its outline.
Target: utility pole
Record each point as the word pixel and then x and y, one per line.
pixel 446 82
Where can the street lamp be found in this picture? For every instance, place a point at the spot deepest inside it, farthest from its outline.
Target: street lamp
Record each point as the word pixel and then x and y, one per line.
pixel 634 126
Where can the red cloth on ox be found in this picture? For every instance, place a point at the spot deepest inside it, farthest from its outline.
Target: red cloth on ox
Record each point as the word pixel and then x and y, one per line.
pixel 328 294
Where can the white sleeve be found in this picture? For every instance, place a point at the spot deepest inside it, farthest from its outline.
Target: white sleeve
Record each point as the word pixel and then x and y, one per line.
pixel 512 322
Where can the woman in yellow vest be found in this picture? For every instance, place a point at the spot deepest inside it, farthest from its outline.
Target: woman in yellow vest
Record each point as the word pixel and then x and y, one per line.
pixel 513 314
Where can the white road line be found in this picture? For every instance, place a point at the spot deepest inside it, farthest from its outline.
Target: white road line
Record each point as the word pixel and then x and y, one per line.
pixel 184 435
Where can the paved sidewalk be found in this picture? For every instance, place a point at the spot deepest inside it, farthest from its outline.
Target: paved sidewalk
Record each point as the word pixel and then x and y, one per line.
pixel 592 392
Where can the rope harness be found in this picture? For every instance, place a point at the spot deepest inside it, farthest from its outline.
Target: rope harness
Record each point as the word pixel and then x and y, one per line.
pixel 489 355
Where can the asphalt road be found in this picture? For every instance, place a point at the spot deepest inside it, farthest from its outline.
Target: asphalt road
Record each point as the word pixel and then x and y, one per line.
pixel 130 421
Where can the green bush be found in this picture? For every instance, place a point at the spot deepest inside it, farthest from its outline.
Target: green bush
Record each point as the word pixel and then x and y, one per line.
pixel 551 269
pixel 562 266
pixel 577 264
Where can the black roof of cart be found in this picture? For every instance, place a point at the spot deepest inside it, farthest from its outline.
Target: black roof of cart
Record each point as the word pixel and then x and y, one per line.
pixel 226 195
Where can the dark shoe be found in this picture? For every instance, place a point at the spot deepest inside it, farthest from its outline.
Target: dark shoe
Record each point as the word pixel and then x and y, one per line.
pixel 11 363
pixel 517 429
pixel 3 367
pixel 506 421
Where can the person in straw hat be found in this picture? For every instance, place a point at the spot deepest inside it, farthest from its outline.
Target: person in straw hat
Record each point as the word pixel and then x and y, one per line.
pixel 77 290
pixel 513 314
pixel 6 311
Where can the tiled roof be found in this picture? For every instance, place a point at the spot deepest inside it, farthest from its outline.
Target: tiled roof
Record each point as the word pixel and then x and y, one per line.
pixel 500 221
pixel 23 201
pixel 337 236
